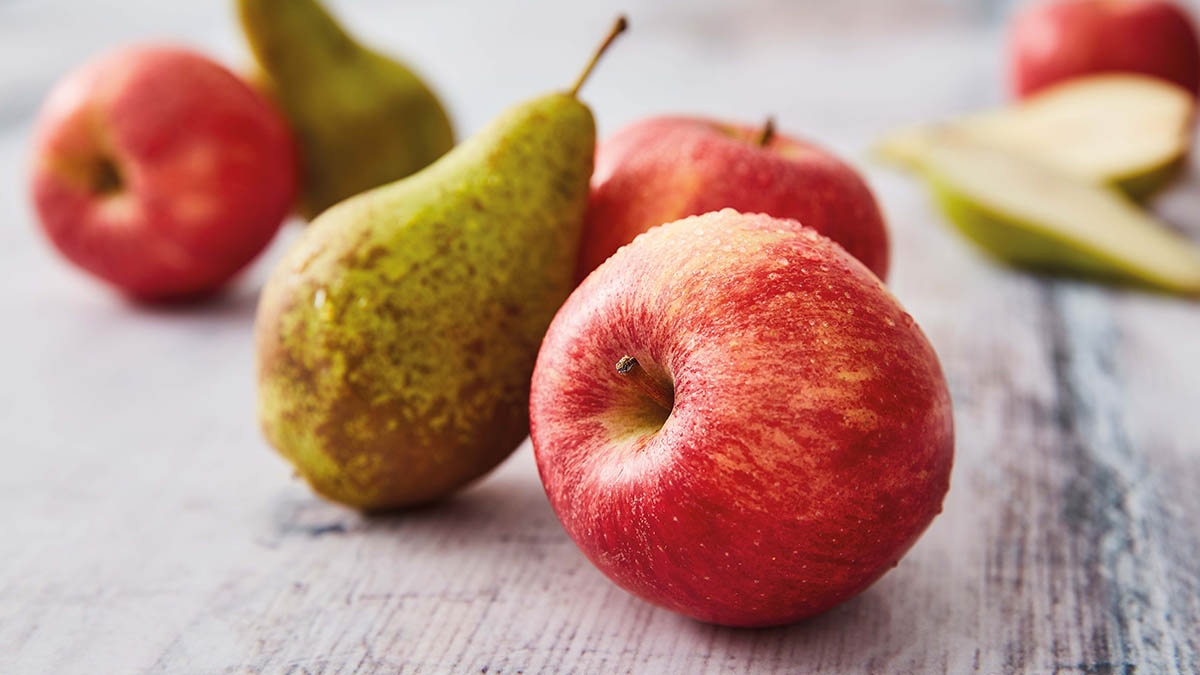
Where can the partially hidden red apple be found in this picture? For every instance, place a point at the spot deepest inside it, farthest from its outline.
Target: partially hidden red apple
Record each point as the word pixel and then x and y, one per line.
pixel 1059 40
pixel 159 171
pixel 779 439
pixel 666 168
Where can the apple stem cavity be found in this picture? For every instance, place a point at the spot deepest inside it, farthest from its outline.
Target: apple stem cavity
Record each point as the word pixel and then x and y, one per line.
pixel 619 27
pixel 106 177
pixel 768 132
pixel 657 391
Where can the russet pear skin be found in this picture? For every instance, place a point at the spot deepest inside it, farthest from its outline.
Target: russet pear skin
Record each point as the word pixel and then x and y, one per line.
pixel 397 338
pixel 361 118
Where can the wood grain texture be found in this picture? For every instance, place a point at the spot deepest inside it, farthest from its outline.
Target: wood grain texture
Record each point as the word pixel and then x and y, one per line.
pixel 148 528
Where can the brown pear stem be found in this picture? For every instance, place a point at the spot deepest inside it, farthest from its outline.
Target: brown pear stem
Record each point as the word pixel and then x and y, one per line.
pixel 618 27
pixel 657 391
pixel 768 133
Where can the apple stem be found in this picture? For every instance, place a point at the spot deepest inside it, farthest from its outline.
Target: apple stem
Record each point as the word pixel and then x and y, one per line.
pixel 657 391
pixel 768 133
pixel 618 27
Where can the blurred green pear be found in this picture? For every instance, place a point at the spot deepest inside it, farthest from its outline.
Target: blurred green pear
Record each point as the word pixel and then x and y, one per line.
pixel 362 119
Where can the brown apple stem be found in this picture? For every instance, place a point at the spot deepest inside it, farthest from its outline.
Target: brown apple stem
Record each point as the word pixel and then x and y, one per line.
pixel 618 27
pixel 657 391
pixel 768 133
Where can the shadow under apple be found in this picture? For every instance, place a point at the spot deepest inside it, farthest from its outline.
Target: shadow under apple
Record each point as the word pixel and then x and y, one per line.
pixel 237 302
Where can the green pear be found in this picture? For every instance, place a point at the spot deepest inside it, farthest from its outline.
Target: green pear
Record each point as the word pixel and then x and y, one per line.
pixel 361 118
pixel 1036 216
pixel 1129 131
pixel 396 339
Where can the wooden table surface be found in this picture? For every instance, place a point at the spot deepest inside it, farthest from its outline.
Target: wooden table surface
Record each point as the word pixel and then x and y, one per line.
pixel 149 528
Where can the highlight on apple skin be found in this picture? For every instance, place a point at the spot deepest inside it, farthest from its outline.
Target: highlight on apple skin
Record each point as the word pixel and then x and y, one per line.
pixel 666 168
pixel 1064 39
pixel 783 438
pixel 160 172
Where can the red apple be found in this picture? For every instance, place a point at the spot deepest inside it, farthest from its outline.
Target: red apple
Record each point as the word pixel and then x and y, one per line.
pixel 1059 40
pixel 160 171
pixel 782 440
pixel 666 168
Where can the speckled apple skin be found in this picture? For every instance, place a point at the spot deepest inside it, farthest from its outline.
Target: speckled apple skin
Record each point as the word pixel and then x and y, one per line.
pixel 811 438
pixel 666 168
pixel 1055 41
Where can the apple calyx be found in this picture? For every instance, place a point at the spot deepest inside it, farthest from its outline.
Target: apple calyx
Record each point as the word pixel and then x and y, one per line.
pixel 768 132
pixel 618 27
pixel 651 387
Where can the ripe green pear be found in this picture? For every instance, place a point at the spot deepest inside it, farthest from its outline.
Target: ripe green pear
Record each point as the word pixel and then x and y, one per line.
pixel 397 338
pixel 362 119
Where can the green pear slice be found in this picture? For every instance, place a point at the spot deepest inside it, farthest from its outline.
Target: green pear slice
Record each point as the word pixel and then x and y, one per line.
pixel 1035 216
pixel 1129 131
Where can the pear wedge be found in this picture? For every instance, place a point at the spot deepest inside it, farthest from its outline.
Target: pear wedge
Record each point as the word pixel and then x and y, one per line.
pixel 1035 216
pixel 1129 131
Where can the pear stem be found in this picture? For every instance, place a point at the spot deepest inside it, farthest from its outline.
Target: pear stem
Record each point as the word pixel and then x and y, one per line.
pixel 768 133
pixel 618 27
pixel 657 391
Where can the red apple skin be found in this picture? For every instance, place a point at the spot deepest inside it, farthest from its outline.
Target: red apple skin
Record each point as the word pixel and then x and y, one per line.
pixel 1055 41
pixel 666 168
pixel 206 171
pixel 811 438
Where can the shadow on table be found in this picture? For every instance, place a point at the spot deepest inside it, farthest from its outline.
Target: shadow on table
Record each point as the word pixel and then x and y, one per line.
pixel 236 303
pixel 507 515
pixel 508 505
pixel 860 621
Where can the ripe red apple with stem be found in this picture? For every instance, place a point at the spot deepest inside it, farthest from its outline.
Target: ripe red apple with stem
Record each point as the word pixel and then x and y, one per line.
pixel 1059 40
pixel 159 171
pixel 735 420
pixel 666 168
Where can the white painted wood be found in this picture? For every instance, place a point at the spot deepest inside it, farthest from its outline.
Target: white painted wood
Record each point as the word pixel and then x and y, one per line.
pixel 148 528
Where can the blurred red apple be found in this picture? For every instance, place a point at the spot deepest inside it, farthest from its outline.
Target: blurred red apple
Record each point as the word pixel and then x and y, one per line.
pixel 1059 40
pixel 779 439
pixel 663 169
pixel 160 171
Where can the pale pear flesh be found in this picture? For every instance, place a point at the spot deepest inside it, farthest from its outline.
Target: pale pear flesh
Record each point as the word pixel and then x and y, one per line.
pixel 1129 131
pixel 1032 215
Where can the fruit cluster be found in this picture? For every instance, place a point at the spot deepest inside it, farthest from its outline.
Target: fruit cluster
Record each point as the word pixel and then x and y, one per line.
pixel 731 415
pixel 1105 117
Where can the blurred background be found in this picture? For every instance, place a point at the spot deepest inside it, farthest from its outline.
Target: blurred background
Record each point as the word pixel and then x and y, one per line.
pixel 807 62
